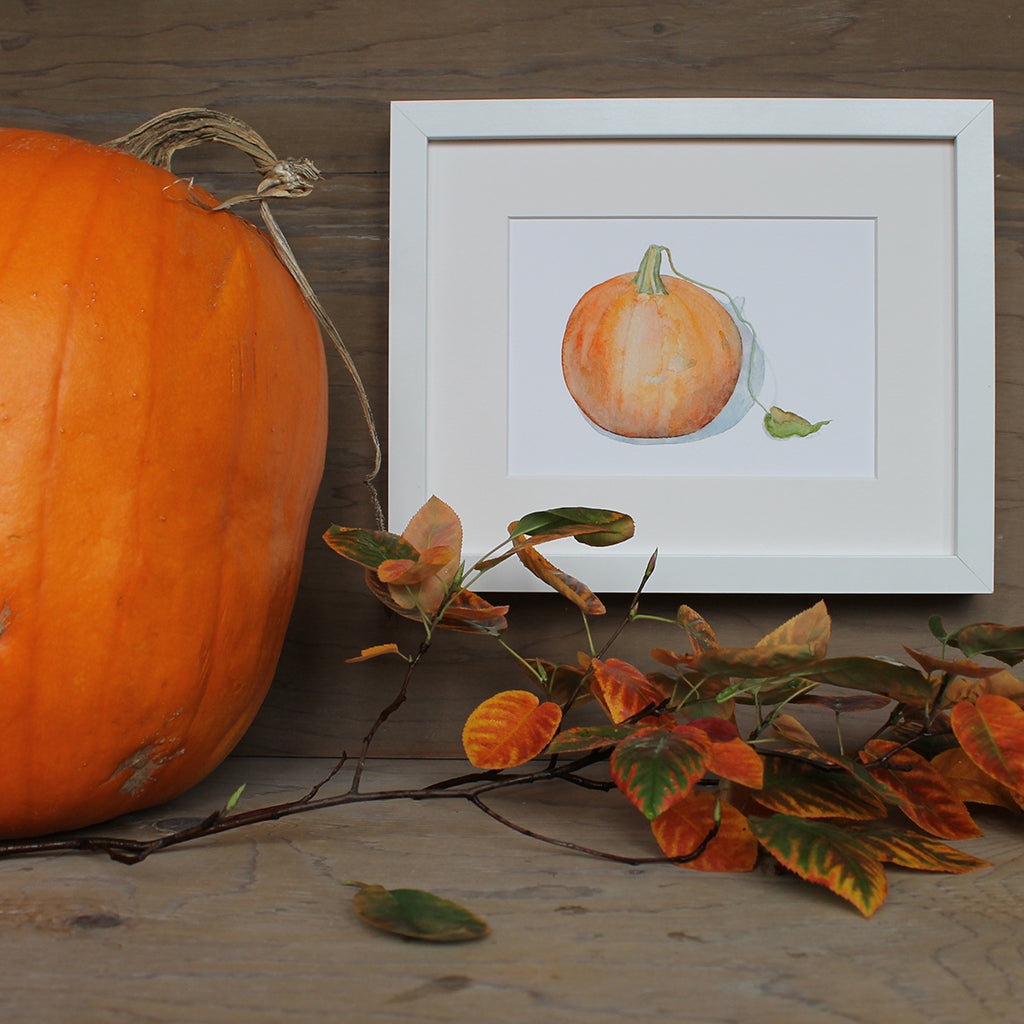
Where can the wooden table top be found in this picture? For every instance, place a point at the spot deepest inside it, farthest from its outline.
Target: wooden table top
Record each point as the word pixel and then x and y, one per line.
pixel 255 927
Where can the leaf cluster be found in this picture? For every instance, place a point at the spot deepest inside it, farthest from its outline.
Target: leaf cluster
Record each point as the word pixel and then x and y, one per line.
pixel 707 743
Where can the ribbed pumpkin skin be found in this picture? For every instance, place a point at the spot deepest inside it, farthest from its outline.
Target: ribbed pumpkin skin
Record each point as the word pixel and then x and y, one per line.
pixel 162 433
pixel 650 366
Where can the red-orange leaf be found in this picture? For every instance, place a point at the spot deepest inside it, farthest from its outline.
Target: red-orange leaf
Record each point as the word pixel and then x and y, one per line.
pixel 924 795
pixel 622 690
pixel 509 729
pixel 991 732
pixel 683 827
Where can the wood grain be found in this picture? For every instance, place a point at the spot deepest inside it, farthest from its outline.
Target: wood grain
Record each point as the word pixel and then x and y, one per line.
pixel 316 78
pixel 255 927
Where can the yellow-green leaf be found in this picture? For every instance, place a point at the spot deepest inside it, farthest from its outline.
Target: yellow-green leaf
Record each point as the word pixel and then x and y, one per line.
pixel 781 424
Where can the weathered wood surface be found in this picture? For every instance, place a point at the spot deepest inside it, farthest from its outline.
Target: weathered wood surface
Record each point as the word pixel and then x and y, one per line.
pixel 316 77
pixel 254 927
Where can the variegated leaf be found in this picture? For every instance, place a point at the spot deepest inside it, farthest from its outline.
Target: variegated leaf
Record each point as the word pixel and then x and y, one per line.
pixel 805 791
pixel 827 855
pixel 657 767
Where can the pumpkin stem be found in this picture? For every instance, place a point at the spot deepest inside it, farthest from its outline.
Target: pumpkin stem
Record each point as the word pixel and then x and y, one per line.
pixel 161 137
pixel 647 279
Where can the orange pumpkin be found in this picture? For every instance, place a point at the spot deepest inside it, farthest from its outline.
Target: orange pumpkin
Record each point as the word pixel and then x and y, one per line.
pixel 162 434
pixel 646 356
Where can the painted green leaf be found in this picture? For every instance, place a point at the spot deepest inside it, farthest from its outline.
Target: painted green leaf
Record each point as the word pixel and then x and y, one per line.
pixel 417 915
pixel 657 767
pixel 991 733
pixel 1006 643
pixel 802 790
pixel 909 849
pixel 782 424
pixel 826 855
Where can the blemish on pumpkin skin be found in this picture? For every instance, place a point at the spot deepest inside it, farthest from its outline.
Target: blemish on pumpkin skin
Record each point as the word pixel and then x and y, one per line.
pixel 143 766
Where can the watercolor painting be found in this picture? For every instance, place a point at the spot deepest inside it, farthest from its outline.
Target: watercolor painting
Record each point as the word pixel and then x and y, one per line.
pixel 652 371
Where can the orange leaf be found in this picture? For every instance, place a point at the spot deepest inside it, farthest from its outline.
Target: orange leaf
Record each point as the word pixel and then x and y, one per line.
pixel 622 690
pixel 434 526
pixel 471 613
pixel 508 729
pixel 702 636
pixel 924 795
pixel 374 652
pixel 409 571
pixel 731 757
pixel 684 826
pixel 793 730
pixel 811 630
pixel 991 732
pixel 969 669
pixel 972 784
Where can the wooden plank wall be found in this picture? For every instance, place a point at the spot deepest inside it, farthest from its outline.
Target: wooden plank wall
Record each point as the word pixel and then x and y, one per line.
pixel 316 78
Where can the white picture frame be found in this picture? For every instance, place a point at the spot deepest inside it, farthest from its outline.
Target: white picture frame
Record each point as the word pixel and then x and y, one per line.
pixel 919 171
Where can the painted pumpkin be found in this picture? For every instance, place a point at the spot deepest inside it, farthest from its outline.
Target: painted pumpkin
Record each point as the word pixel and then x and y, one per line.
pixel 646 356
pixel 162 434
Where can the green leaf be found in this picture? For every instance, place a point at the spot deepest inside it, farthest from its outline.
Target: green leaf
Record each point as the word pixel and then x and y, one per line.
pixel 826 855
pixel 233 799
pixel 1005 643
pixel 594 526
pixel 877 675
pixel 417 915
pixel 658 767
pixel 781 424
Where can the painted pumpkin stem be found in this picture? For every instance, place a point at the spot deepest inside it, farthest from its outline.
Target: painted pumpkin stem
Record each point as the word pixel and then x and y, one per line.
pixel 161 137
pixel 648 278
